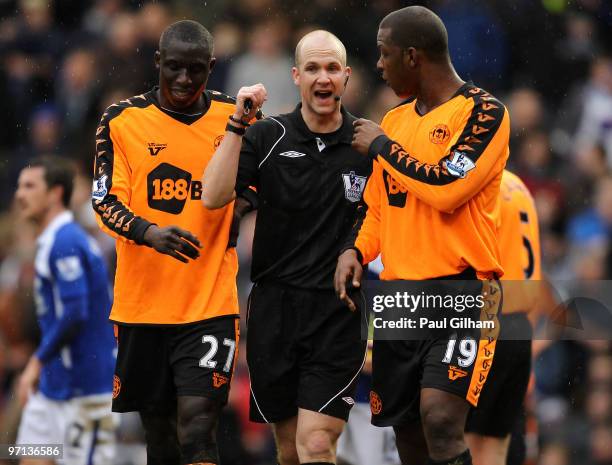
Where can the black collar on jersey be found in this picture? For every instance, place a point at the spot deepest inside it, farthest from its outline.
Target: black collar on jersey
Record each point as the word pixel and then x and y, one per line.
pixel 467 85
pixel 344 134
pixel 181 117
pixel 462 90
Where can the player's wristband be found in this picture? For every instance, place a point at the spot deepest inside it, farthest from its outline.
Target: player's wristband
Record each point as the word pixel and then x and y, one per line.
pixel 231 128
pixel 239 121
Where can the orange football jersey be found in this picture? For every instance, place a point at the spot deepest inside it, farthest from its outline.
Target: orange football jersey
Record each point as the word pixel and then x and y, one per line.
pixel 433 197
pixel 148 168
pixel 519 244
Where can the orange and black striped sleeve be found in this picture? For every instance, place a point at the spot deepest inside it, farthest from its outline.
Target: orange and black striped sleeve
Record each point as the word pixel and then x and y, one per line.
pixel 477 153
pixel 111 188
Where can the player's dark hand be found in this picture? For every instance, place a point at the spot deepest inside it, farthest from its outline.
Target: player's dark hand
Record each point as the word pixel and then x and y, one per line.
pixel 348 267
pixel 365 133
pixel 173 241
pixel 257 94
pixel 241 207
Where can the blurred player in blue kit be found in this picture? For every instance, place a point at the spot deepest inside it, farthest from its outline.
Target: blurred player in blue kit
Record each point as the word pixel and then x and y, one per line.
pixel 67 384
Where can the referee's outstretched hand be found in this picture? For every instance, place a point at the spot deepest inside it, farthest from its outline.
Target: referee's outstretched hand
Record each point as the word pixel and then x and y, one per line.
pixel 173 241
pixel 348 267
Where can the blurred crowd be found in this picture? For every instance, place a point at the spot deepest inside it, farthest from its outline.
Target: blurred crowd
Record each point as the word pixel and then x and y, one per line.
pixel 63 62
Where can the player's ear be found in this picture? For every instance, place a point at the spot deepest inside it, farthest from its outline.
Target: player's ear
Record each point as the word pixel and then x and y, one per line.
pixel 57 193
pixel 410 56
pixel 157 59
pixel 295 74
pixel 211 64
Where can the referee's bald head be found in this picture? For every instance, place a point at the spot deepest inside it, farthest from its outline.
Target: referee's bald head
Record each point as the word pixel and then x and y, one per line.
pixel 418 27
pixel 319 40
pixel 187 31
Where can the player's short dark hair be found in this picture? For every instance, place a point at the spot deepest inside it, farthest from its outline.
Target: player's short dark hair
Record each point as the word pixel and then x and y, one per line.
pixel 58 172
pixel 418 27
pixel 187 31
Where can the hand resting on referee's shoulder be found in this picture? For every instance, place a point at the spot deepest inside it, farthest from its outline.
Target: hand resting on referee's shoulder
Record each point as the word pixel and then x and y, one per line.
pixel 366 132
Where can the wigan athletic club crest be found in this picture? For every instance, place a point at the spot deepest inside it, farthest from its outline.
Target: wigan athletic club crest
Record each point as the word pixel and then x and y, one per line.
pixel 353 186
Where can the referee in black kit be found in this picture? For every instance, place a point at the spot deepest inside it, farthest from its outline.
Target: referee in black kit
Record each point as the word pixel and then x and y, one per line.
pixel 304 347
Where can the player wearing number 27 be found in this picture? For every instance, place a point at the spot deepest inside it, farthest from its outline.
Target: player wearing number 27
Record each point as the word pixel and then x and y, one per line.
pixel 175 305
pixel 432 208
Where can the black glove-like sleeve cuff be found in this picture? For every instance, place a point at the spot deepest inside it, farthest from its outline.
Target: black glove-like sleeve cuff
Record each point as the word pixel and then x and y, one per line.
pixel 250 196
pixel 378 146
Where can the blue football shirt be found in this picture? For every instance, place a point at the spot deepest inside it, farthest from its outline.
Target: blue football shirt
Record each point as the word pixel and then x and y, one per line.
pixel 73 297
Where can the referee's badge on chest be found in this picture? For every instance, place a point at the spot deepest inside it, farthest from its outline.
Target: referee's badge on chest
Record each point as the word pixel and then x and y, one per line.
pixel 353 186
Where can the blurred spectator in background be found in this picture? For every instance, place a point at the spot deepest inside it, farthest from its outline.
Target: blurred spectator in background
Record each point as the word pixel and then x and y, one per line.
pixel 595 126
pixel 528 112
pixel 588 102
pixel 595 223
pixel 228 42
pixel 576 48
pixel 121 60
pixel 478 48
pixel 153 19
pixel 78 92
pixel 267 59
pixel 99 17
pixel 31 45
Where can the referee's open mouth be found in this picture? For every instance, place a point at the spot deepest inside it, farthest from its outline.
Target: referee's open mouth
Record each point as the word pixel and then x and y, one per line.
pixel 323 96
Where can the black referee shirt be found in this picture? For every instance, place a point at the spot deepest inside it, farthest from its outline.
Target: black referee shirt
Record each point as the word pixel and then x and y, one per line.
pixel 309 187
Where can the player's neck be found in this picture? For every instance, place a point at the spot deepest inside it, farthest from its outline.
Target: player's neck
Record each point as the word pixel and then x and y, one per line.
pixel 441 85
pixel 321 124
pixel 52 213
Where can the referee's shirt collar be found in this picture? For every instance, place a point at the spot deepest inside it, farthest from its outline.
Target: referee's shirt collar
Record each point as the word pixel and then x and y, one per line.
pixel 344 134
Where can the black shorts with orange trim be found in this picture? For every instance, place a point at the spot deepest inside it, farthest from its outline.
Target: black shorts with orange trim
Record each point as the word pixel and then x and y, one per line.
pixel 156 364
pixel 502 400
pixel 458 363
pixel 304 350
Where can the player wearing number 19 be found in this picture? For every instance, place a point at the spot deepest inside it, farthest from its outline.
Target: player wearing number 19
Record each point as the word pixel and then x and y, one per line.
pixel 432 204
pixel 175 311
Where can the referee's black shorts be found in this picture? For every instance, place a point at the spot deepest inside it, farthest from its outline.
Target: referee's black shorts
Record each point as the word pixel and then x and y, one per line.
pixel 304 350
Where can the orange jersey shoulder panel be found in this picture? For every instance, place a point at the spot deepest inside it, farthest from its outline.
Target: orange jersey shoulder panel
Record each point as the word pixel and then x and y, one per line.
pixel 148 170
pixel 435 188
